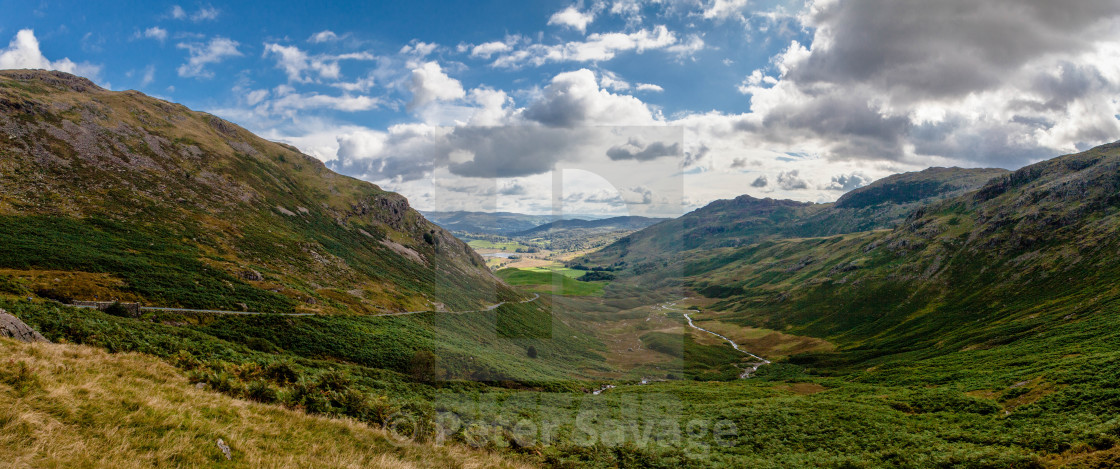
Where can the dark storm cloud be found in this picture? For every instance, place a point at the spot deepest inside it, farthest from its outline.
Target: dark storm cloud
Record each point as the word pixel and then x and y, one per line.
pixel 944 48
pixel 847 119
pixel 874 65
pixel 508 151
pixel 1071 82
pixel 635 150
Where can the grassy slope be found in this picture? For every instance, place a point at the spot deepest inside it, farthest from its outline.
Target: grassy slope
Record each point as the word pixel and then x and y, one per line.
pixel 119 173
pixel 544 281
pixel 746 220
pixel 76 406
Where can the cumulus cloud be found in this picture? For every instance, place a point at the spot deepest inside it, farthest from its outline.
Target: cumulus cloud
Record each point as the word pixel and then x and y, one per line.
pixel 202 54
pixel 724 9
pixel 573 18
pixel 760 182
pixel 847 182
pixel 429 83
pixel 791 180
pixel 320 37
pixel 649 87
pixel 634 149
pixel 154 32
pixel 575 98
pixel 1006 85
pixel 23 52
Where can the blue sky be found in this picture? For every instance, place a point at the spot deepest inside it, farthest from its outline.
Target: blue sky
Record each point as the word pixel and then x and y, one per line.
pixel 634 105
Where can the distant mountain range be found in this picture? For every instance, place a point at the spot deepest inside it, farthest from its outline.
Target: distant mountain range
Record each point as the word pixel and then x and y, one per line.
pixel 594 226
pixel 744 220
pixel 517 224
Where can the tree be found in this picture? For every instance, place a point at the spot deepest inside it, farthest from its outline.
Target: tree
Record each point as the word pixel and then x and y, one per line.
pixel 532 351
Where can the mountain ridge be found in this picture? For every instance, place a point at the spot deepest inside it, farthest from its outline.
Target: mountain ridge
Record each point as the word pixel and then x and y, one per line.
pixel 258 215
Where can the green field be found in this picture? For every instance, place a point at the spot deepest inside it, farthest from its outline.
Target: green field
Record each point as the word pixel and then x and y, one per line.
pixel 570 273
pixel 508 246
pixel 543 280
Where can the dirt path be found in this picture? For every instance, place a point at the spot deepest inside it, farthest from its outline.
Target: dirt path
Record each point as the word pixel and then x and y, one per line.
pixel 749 370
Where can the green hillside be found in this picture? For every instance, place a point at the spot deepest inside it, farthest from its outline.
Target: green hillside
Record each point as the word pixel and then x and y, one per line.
pixel 746 220
pixel 153 202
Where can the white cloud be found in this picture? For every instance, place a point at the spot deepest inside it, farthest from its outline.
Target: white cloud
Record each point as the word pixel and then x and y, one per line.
pixel 203 54
pixel 725 9
pixel 419 49
pixel 573 18
pixel 154 32
pixel 429 83
pixel 650 87
pixel 884 80
pixel 575 98
pixel 287 101
pixel 693 45
pixel 485 50
pixel 323 36
pixel 596 48
pixel 23 52
pixel 149 75
pixel 202 14
pixel 296 62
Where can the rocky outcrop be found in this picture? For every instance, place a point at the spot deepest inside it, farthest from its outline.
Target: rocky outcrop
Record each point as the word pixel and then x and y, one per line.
pixel 11 327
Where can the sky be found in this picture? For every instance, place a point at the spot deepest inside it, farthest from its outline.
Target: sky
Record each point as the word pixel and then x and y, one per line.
pixel 616 106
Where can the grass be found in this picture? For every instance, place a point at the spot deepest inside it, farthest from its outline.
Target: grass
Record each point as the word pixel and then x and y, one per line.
pixel 548 281
pixel 153 263
pixel 89 408
pixel 507 246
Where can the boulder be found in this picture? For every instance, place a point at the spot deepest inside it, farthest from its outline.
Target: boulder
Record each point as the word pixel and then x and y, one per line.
pixel 11 327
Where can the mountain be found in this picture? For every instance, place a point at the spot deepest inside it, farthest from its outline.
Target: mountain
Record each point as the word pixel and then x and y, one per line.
pixel 1026 261
pixel 131 197
pixel 628 223
pixel 495 223
pixel 745 220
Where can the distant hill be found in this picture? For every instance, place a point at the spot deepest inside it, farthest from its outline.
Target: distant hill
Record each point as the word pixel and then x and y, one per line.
pixel 1025 258
pixel 744 220
pixel 628 223
pixel 498 223
pixel 495 223
pixel 141 199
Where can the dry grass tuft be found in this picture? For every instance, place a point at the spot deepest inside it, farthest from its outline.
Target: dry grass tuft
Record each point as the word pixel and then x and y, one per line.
pixel 76 406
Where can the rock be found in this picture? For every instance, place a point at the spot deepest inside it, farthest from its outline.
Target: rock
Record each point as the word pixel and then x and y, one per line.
pixel 225 449
pixel 252 275
pixel 11 327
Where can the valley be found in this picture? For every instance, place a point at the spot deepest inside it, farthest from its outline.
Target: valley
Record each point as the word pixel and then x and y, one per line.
pixel 950 317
